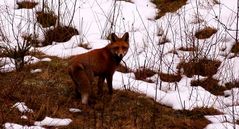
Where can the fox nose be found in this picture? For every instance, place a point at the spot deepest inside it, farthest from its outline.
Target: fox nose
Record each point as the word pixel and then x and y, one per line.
pixel 121 55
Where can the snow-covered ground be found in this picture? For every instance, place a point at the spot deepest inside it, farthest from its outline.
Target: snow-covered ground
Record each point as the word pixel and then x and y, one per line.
pixel 93 20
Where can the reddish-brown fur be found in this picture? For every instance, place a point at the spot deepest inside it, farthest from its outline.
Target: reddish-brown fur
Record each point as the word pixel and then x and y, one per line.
pixel 99 62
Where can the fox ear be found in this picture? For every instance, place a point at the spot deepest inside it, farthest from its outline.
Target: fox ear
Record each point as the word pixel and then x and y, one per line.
pixel 125 37
pixel 113 37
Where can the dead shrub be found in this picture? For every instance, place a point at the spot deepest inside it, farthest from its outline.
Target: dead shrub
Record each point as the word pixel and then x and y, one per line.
pixel 59 34
pixel 26 4
pixel 46 19
pixel 18 53
pixel 32 40
pixel 205 33
pixel 204 67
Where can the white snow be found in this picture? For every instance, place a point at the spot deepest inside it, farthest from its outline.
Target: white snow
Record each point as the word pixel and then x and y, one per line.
pixel 36 70
pixel 17 126
pixel 48 121
pixel 21 106
pixel 46 59
pixel 74 110
pixel 24 117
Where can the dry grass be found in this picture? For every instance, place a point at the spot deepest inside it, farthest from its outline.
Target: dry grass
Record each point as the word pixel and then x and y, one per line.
pixel 204 67
pixel 205 33
pixel 26 4
pixel 165 6
pixel 50 93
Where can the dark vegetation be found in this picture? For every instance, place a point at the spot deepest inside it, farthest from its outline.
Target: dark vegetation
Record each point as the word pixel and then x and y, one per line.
pixel 46 19
pixel 32 40
pixel 59 34
pixel 235 48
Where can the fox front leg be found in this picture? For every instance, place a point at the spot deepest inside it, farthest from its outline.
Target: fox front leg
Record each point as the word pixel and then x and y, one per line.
pixel 109 83
pixel 100 85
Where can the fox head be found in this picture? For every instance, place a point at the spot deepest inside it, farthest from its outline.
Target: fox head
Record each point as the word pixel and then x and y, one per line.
pixel 119 46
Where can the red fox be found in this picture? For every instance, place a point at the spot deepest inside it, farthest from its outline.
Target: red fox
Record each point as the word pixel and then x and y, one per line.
pixel 99 62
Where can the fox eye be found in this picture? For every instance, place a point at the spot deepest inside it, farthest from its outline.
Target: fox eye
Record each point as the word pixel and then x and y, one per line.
pixel 116 48
pixel 124 48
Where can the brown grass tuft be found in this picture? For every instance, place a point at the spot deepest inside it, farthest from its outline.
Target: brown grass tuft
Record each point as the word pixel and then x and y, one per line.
pixel 170 77
pixel 205 33
pixel 165 6
pixel 143 74
pixel 210 84
pixel 26 4
pixel 204 67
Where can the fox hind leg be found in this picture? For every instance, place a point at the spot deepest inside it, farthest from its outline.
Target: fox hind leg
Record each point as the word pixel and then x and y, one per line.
pixel 76 88
pixel 82 79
